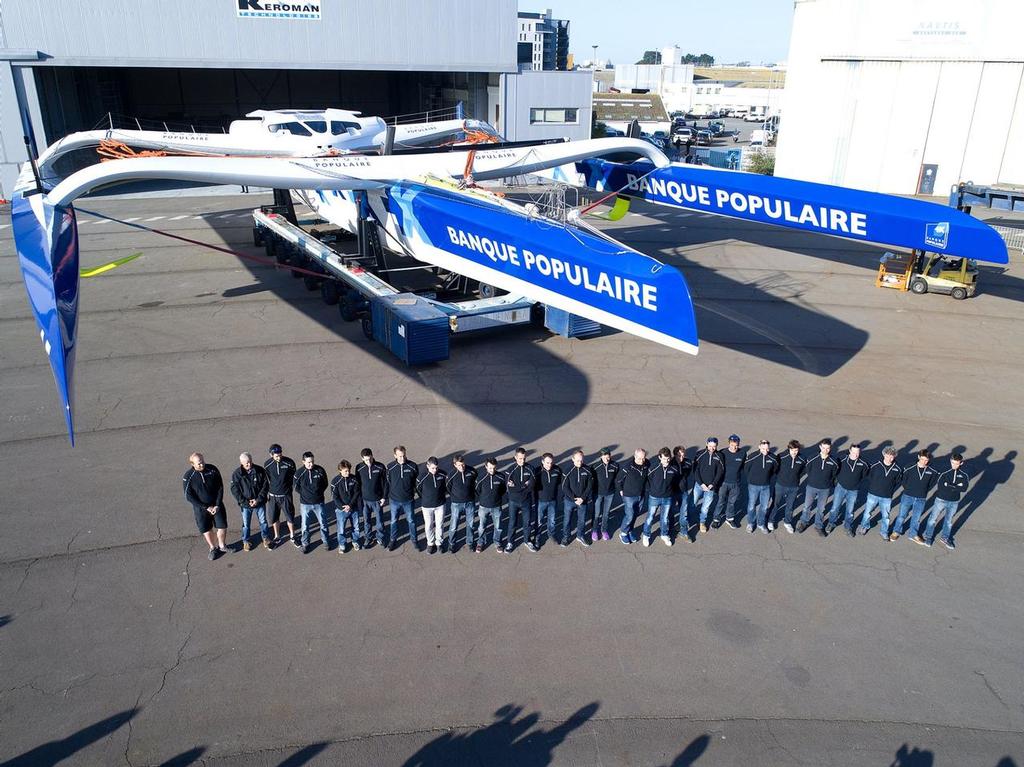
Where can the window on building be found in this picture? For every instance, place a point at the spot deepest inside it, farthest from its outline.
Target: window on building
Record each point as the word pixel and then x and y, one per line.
pixel 553 116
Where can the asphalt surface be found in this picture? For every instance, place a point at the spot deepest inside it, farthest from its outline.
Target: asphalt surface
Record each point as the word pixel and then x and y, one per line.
pixel 121 643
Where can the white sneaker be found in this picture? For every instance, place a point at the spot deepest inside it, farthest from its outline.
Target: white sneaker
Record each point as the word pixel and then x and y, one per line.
pixel 666 540
pixel 647 540
pixel 750 528
pixel 771 527
pixel 789 527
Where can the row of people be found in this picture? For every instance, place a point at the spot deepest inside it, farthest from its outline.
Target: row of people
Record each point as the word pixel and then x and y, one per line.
pixel 534 495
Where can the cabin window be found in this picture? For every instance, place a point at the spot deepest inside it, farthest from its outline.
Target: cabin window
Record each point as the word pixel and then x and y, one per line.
pixel 296 129
pixel 338 127
pixel 317 126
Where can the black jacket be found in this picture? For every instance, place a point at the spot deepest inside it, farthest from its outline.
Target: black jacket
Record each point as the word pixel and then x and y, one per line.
pixel 883 480
pixel 204 488
pixel 708 469
pixel 462 485
pixel 952 483
pixel 401 480
pixel 280 474
pixel 606 477
pixel 917 482
pixel 251 485
pixel 852 473
pixel 372 480
pixel 345 491
pixel 790 469
pixel 821 473
pixel 761 469
pixel 548 483
pixel 520 481
pixel 490 490
pixel 311 483
pixel 633 479
pixel 433 489
pixel 734 463
pixel 682 481
pixel 662 480
pixel 578 483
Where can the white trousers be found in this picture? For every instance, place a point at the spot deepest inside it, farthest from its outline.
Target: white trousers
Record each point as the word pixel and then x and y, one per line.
pixel 433 522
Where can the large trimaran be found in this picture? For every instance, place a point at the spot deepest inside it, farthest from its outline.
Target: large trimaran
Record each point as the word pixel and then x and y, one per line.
pixel 426 201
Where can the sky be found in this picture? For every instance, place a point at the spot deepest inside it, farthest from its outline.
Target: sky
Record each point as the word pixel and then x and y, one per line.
pixel 735 30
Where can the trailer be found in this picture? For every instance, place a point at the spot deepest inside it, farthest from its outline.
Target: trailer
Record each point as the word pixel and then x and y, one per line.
pixel 415 321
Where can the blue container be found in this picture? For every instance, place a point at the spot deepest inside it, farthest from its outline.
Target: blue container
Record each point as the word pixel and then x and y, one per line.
pixel 411 327
pixel 569 325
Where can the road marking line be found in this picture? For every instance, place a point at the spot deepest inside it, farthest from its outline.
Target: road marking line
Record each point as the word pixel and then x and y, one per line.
pixel 133 218
pixel 4 226
pixel 156 218
pixel 226 215
pixel 178 218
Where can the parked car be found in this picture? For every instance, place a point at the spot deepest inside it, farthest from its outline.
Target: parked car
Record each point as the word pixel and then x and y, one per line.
pixel 753 117
pixel 704 138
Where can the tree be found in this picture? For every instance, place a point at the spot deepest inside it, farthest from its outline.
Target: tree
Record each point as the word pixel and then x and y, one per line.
pixel 650 57
pixel 703 60
pixel 761 162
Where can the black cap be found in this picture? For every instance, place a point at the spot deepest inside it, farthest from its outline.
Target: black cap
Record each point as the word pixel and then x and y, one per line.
pixel 275 448
pixel 713 439
pixel 734 438
pixel 605 451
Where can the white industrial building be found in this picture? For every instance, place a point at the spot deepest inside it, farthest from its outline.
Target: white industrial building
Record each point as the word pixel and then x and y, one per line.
pixel 904 97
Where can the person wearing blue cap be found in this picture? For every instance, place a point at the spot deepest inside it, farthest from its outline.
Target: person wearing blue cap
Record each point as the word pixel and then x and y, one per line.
pixel 734 460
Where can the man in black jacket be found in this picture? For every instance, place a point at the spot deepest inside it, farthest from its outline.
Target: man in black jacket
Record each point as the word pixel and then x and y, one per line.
pixel 632 486
pixel 950 485
pixel 577 495
pixel 606 475
pixel 347 505
pixel 729 491
pixel 401 484
pixel 884 477
pixel 681 492
pixel 490 495
pixel 520 481
pixel 280 473
pixel 821 476
pixel 311 484
pixel 373 477
pixel 761 468
pixel 250 487
pixel 852 472
pixel 549 481
pixel 433 490
pixel 462 494
pixel 204 491
pixel 787 483
pixel 661 479
pixel 708 472
pixel 918 480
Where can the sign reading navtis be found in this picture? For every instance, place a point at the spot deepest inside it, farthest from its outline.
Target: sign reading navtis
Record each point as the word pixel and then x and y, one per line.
pixel 273 9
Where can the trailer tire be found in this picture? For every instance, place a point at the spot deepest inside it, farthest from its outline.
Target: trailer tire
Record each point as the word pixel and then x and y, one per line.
pixel 958 293
pixel 329 292
pixel 347 309
pixel 296 260
pixel 257 236
pixel 367 324
pixel 918 286
pixel 311 283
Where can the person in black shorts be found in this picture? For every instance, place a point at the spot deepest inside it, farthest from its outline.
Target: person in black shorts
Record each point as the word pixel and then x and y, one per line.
pixel 280 472
pixel 204 490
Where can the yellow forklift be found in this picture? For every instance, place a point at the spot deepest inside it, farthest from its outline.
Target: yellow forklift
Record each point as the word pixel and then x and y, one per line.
pixel 921 272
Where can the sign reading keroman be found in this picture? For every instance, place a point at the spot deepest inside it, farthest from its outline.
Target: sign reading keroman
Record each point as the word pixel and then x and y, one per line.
pixel 275 9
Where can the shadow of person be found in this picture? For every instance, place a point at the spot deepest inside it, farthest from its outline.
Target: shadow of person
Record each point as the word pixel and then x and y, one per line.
pixel 692 752
pixel 57 750
pixel 987 476
pixel 185 758
pixel 908 756
pixel 512 740
pixel 303 755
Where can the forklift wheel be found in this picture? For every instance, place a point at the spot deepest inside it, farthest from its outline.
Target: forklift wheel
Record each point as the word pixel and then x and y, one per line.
pixel 919 286
pixel 959 293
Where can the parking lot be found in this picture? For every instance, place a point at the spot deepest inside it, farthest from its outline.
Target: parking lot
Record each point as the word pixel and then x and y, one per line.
pixel 121 643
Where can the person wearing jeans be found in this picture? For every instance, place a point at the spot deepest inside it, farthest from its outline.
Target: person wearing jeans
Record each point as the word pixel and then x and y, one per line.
pixel 660 482
pixel 372 476
pixel 606 476
pixel 462 496
pixel 549 480
pixel 950 485
pixel 520 481
pixel 883 478
pixel 432 488
pixel 577 495
pixel 729 491
pixel 787 483
pixel 490 494
pixel 311 482
pixel 821 475
pixel 347 505
pixel 852 471
pixel 632 486
pixel 708 473
pixel 681 492
pixel 401 485
pixel 918 480
pixel 760 469
pixel 250 487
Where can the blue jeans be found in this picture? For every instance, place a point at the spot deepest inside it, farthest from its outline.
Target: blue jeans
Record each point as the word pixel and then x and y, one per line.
pixel 815 501
pixel 785 496
pixel 568 506
pixel 546 512
pixel 342 518
pixel 630 508
pixel 524 509
pixel 843 497
pixel 913 505
pixel 393 509
pixel 469 509
pixel 602 508
pixel 261 515
pixel 653 505
pixel 884 507
pixel 307 510
pixel 494 512
pixel 370 510
pixel 944 510
pixel 758 497
pixel 728 493
pixel 703 499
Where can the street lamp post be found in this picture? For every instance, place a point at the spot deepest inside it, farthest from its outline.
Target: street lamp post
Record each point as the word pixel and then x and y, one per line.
pixel 593 61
